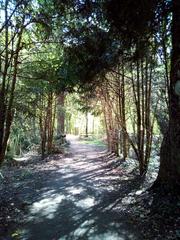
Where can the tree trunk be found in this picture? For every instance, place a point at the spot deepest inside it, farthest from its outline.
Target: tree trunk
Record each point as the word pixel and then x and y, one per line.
pixel 169 172
pixel 7 98
pixel 86 124
pixel 60 114
pixel 124 135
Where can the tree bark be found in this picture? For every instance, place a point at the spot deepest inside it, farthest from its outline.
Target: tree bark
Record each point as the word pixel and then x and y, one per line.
pixel 7 97
pixel 60 114
pixel 86 123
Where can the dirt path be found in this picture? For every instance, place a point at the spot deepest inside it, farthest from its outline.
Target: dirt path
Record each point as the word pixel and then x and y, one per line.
pixel 77 196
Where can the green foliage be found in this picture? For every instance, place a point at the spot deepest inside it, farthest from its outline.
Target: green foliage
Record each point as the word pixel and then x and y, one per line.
pixel 70 46
pixel 91 56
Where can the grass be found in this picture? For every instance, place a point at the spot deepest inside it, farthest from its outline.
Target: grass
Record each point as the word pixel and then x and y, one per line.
pixel 95 141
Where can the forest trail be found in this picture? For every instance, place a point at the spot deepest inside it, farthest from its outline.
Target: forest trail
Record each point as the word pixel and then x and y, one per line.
pixel 77 196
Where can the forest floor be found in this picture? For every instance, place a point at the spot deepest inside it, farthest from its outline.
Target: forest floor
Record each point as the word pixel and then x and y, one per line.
pixel 85 193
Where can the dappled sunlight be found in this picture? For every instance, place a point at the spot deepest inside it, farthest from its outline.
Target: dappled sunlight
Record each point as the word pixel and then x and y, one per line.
pixel 68 175
pixel 89 119
pixel 79 200
pixel 107 236
pixel 128 200
pixel 46 207
pixel 83 229
pixel 86 203
pixel 75 190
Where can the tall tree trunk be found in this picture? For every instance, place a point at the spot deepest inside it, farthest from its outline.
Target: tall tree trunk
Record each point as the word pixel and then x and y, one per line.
pixel 124 135
pixel 50 125
pixel 7 98
pixel 169 172
pixel 60 114
pixel 86 123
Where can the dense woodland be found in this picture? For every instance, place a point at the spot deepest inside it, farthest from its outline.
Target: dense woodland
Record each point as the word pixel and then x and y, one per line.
pixel 109 69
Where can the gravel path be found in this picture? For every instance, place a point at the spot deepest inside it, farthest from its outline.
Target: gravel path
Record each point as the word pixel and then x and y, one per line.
pixel 77 196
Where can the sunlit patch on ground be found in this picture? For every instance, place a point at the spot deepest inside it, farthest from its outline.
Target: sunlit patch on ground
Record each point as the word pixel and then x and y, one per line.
pixel 46 207
pixel 86 203
pixel 127 200
pixel 67 176
pixel 107 236
pixel 75 190
pixel 75 197
pixel 83 229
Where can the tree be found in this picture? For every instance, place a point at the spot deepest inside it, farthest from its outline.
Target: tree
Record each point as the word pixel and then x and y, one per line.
pixel 136 23
pixel 169 172
pixel 60 114
pixel 41 83
pixel 12 30
pixel 16 26
pixel 92 58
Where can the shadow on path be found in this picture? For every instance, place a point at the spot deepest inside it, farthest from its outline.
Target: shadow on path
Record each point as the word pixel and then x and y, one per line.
pixel 79 196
